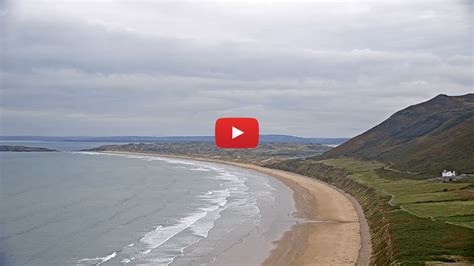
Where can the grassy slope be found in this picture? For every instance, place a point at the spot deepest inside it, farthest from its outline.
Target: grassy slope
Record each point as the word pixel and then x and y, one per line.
pixel 445 148
pixel 424 138
pixel 420 197
pixel 412 221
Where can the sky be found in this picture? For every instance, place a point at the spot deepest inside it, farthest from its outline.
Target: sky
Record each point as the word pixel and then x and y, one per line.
pixel 313 69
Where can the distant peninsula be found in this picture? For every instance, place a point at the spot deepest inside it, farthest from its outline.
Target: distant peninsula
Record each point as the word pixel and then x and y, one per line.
pixel 12 148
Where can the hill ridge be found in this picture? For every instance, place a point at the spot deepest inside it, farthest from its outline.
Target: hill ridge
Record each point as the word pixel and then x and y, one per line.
pixel 426 137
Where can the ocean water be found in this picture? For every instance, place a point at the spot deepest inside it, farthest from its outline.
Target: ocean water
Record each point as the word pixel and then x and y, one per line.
pixel 74 208
pixel 58 145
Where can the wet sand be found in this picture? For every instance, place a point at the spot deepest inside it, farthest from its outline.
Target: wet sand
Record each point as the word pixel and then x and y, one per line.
pixel 330 233
pixel 333 229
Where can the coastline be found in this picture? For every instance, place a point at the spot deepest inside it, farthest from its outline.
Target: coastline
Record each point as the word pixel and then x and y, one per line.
pixel 333 230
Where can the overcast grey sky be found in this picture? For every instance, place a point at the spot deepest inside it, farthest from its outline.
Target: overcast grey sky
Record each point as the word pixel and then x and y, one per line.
pixel 325 69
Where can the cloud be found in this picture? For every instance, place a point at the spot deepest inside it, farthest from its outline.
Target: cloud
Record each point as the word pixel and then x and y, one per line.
pixel 321 69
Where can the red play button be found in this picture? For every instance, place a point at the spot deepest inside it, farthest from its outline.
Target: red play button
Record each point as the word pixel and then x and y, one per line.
pixel 236 133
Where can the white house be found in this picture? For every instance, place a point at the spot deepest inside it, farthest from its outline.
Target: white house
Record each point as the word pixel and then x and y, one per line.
pixel 448 173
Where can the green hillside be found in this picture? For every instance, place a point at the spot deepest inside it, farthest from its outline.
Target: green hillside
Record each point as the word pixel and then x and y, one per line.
pixel 413 219
pixel 424 138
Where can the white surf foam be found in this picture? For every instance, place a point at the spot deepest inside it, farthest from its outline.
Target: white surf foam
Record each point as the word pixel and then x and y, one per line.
pixel 98 260
pixel 200 169
pixel 161 234
pixel 199 166
pixel 169 242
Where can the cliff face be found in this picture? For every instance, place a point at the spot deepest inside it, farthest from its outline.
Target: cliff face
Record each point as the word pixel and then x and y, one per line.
pixel 424 138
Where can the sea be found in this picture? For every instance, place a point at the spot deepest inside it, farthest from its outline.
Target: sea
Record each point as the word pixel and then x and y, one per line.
pixel 86 208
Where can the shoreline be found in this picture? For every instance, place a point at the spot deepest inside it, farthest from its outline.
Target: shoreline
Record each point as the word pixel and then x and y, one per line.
pixel 333 231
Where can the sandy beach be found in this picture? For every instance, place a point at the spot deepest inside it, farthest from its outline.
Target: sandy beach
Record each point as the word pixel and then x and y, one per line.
pixel 332 232
pixel 333 229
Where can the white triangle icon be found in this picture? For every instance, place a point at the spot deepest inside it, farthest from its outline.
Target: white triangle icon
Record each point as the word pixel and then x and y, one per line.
pixel 236 132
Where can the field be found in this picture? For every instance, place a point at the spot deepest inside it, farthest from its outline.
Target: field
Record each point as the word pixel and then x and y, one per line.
pixel 430 221
pixel 453 202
